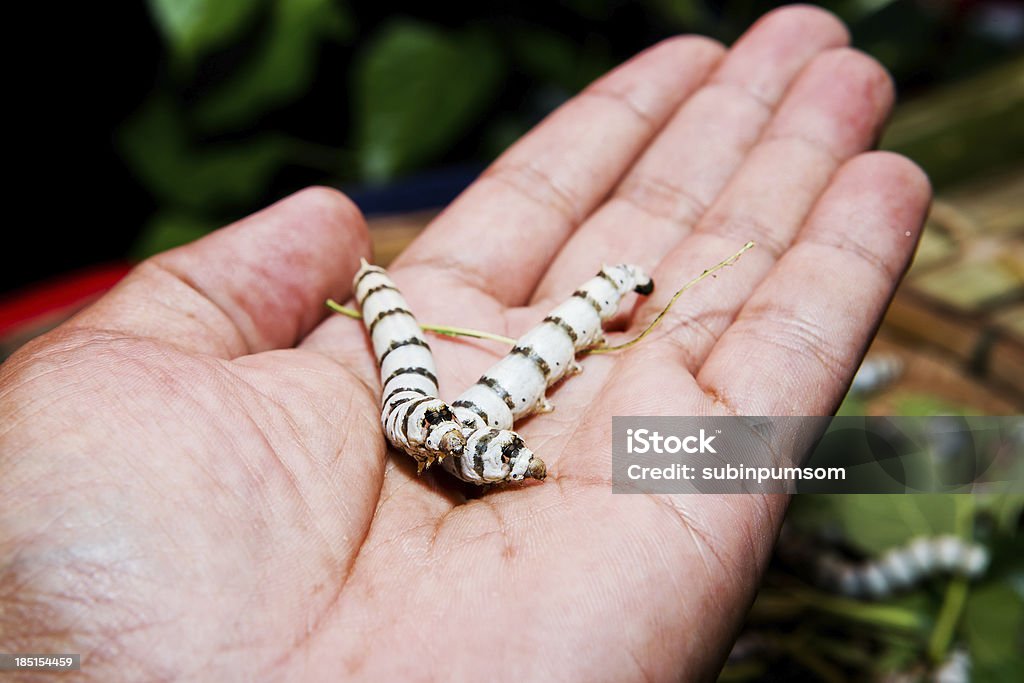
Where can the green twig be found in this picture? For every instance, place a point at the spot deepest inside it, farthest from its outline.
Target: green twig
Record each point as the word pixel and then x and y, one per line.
pixel 450 331
pixel 883 616
pixel 654 323
pixel 446 330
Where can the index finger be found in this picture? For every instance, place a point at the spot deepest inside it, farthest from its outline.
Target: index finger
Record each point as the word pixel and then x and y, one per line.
pixel 500 235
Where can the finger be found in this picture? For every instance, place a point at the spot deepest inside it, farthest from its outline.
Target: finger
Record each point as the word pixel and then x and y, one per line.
pixel 833 111
pixel 800 337
pixel 692 159
pixel 257 284
pixel 500 235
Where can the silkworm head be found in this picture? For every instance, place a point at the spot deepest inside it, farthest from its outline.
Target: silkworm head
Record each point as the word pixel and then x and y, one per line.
pixel 519 458
pixel 644 287
pixel 453 442
pixel 537 469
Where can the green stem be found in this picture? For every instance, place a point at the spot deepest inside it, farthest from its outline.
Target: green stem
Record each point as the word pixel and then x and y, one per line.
pixel 885 616
pixel 654 323
pixel 809 659
pixel 446 330
pixel 956 592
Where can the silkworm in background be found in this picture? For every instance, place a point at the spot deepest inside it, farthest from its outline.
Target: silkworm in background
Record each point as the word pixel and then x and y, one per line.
pixel 878 371
pixel 895 570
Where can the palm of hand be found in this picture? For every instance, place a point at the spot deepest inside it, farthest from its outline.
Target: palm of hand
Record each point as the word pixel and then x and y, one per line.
pixel 236 500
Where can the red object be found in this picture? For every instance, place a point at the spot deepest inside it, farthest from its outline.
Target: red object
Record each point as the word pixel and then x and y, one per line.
pixel 63 294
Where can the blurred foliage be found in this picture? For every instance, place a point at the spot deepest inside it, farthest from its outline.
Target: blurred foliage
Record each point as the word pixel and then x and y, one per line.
pixel 906 637
pixel 803 632
pixel 260 97
pixel 399 128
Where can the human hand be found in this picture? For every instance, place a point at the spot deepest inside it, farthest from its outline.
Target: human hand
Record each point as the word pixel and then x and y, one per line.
pixel 195 481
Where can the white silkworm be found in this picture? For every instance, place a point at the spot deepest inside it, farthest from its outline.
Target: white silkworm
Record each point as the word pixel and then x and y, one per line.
pixel 877 372
pixel 955 669
pixel 415 420
pixel 897 569
pixel 514 387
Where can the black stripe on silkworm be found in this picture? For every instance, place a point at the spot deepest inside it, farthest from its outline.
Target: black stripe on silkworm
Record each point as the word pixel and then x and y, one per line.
pixel 645 289
pixel 412 341
pixel 469 405
pixel 580 294
pixel 511 449
pixel 499 390
pixel 379 288
pixel 400 390
pixel 413 371
pixel 385 314
pixel 608 277
pixel 409 410
pixel 528 352
pixel 566 327
pixel 481 448
pixel 367 270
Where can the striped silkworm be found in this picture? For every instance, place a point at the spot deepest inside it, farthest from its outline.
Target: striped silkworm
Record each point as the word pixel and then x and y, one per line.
pixel 514 387
pixel 956 668
pixel 895 570
pixel 415 420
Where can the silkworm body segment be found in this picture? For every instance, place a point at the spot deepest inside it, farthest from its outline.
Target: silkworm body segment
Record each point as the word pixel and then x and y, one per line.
pixel 415 420
pixel 514 387
pixel 494 455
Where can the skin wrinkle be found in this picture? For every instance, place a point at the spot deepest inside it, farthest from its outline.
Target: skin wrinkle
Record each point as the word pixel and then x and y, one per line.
pixel 319 466
pixel 730 87
pixel 539 187
pixel 247 342
pixel 797 334
pixel 660 199
pixel 808 143
pixel 843 243
pixel 682 321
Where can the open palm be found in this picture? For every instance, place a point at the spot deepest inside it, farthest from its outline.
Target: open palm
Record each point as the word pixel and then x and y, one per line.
pixel 194 478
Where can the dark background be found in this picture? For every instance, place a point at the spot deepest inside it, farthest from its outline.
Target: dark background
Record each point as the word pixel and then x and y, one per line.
pixel 119 151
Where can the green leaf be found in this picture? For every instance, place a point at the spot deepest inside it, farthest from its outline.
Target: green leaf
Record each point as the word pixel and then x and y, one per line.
pixel 168 230
pixel 681 14
pixel 907 403
pixel 994 628
pixel 416 89
pixel 193 27
pixel 226 175
pixel 284 66
pixel 550 57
